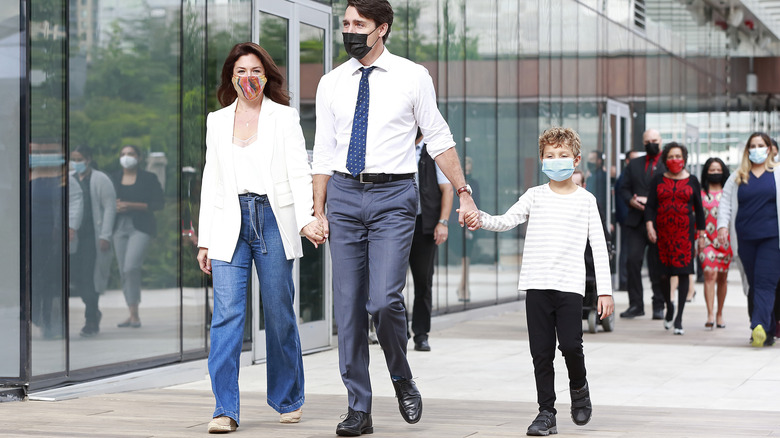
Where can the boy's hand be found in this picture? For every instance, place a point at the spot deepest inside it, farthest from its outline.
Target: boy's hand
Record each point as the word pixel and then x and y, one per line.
pixel 471 219
pixel 606 306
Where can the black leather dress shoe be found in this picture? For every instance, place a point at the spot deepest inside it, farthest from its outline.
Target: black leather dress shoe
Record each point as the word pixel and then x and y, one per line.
pixel 356 424
pixel 422 345
pixel 409 400
pixel 632 312
pixel 658 314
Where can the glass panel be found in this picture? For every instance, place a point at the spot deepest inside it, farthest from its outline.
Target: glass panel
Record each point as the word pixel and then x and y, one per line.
pixel 124 102
pixel 273 38
pixel 50 191
pixel 193 120
pixel 10 270
pixel 312 280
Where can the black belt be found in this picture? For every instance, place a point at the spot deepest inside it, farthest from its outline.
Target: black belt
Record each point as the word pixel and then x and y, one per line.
pixel 377 178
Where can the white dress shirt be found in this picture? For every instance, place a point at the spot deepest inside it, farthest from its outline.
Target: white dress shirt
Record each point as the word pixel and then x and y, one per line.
pixel 559 226
pixel 402 98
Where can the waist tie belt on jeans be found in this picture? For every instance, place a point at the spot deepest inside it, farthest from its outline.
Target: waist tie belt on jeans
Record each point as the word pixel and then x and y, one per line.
pixel 251 195
pixel 377 178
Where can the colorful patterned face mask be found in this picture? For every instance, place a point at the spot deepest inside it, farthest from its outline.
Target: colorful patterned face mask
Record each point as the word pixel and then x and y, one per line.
pixel 250 86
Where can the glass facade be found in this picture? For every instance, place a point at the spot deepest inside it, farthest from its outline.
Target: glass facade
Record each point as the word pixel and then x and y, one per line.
pixel 99 258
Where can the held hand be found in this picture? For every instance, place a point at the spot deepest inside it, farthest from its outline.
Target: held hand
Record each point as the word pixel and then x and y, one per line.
pixel 105 245
pixel 315 233
pixel 472 220
pixel 467 205
pixel 723 236
pixel 323 223
pixel 651 236
pixel 440 233
pixel 605 306
pixel 204 261
pixel 122 206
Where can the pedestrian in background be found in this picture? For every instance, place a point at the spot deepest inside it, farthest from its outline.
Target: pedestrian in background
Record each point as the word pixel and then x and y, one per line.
pixel 430 230
pixel 674 218
pixel 715 258
pixel 750 207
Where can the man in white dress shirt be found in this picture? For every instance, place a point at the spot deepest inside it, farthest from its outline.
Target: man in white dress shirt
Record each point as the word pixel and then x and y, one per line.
pixel 368 111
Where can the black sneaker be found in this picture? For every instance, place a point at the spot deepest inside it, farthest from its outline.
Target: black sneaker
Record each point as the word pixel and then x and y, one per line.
pixel 581 408
pixel 543 425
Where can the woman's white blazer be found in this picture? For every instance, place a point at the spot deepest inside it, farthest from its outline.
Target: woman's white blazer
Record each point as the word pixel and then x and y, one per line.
pixel 285 173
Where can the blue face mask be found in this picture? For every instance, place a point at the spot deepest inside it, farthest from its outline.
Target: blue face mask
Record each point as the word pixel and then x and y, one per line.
pixel 558 169
pixel 46 160
pixel 79 166
pixel 758 155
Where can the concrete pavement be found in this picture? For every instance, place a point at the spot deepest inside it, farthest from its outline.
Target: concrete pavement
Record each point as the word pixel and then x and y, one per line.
pixel 478 381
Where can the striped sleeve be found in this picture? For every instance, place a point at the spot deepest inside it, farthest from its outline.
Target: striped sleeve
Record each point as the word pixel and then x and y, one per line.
pixel 516 215
pixel 598 244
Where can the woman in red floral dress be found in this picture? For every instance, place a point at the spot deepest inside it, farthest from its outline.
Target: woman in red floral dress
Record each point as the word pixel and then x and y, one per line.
pixel 715 258
pixel 674 209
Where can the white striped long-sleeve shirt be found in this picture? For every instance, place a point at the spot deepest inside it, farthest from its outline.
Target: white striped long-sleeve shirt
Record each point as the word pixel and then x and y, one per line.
pixel 559 227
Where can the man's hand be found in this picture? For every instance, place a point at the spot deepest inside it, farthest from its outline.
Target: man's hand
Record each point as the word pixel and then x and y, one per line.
pixel 638 202
pixel 440 233
pixel 605 306
pixel 467 205
pixel 472 219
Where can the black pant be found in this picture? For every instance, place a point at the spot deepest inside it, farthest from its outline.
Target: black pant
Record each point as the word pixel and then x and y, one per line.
pixel 637 242
pixel 421 260
pixel 82 275
pixel 549 312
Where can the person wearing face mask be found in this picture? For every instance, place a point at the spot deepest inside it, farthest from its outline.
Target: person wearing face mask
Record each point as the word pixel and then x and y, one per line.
pixel 597 181
pixel 673 215
pixel 138 196
pixel 749 211
pixel 562 218
pixel 368 112
pixel 256 203
pixel 90 265
pixel 715 258
pixel 634 189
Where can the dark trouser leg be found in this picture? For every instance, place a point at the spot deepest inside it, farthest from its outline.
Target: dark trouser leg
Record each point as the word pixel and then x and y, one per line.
pixel 654 271
pixel 421 260
pixel 540 316
pixel 765 278
pixel 636 242
pixel 569 328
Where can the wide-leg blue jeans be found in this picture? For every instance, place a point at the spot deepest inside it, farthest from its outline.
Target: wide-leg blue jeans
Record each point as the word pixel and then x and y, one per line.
pixel 259 241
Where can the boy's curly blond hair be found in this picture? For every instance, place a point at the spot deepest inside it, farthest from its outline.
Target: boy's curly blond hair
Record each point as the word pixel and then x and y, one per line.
pixel 560 137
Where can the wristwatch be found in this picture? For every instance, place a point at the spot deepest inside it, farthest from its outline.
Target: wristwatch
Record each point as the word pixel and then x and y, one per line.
pixel 466 188
pixel 444 222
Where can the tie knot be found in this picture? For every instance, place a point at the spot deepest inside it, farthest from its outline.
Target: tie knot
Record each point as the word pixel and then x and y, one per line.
pixel 367 70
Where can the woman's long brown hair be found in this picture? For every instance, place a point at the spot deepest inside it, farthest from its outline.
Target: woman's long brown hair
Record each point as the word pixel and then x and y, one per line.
pixel 274 89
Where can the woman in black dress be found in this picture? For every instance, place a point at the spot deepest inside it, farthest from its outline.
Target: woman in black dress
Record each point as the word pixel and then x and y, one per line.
pixel 674 209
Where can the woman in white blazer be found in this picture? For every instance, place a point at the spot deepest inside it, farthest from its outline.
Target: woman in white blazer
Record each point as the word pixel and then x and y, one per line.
pixel 256 202
pixel 749 211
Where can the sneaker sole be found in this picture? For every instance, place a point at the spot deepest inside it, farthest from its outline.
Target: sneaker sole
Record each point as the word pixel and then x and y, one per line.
pixel 759 336
pixel 551 431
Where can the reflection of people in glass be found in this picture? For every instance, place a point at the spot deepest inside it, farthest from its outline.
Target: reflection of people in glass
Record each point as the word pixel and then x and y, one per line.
pixel 464 294
pixel 47 179
pixel 597 181
pixel 91 263
pixel 256 201
pixel 138 195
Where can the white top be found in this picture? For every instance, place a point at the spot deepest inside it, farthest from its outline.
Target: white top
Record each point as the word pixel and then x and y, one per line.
pixel 401 98
pixel 559 227
pixel 246 168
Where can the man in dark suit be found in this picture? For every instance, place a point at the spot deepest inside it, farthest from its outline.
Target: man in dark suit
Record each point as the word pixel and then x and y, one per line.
pixel 597 182
pixel 634 190
pixel 433 208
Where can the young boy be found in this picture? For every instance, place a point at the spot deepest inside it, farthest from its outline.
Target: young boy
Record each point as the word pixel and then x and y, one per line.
pixel 562 218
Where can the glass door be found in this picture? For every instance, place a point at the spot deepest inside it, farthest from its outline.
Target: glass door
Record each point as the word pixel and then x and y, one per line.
pixel 618 144
pixel 297 34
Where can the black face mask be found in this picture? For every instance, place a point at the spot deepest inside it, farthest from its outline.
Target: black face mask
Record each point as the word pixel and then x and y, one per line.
pixel 652 149
pixel 715 178
pixel 355 44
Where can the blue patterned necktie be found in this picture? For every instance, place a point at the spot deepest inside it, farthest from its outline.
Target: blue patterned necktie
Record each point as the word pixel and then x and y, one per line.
pixel 356 156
